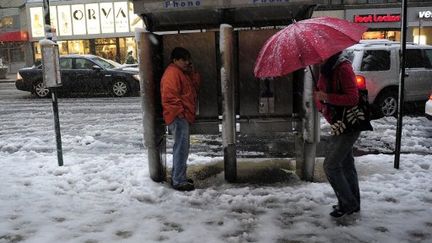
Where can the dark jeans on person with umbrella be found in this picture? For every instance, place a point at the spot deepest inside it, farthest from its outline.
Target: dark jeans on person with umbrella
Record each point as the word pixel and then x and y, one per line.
pixel 341 173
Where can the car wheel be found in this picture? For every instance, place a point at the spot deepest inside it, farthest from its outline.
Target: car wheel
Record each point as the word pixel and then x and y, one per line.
pixel 388 104
pixel 40 90
pixel 120 88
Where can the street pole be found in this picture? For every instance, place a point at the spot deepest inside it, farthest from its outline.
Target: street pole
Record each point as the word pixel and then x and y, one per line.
pixel 228 104
pixel 401 85
pixel 49 36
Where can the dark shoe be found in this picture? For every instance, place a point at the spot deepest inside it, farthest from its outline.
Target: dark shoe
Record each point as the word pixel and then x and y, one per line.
pixel 338 213
pixel 186 186
pixel 190 181
pixel 336 207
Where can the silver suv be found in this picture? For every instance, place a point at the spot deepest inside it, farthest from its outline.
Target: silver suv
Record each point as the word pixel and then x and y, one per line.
pixel 376 64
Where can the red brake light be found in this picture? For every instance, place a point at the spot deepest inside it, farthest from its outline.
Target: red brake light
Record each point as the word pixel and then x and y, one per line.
pixel 361 82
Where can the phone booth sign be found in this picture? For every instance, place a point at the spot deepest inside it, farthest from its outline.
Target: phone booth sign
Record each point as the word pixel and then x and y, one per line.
pixel 50 63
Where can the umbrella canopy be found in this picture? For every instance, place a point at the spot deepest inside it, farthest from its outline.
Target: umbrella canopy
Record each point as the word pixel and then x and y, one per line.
pixel 304 43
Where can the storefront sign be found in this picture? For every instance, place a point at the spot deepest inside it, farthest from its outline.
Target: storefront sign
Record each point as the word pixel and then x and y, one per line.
pixel 78 19
pixel 121 18
pixel 377 18
pixel 106 12
pixel 37 28
pixel 84 19
pixel 425 14
pixel 182 4
pixel 198 3
pixel 64 20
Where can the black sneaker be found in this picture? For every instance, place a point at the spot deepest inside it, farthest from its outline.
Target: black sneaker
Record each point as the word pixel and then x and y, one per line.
pixel 186 186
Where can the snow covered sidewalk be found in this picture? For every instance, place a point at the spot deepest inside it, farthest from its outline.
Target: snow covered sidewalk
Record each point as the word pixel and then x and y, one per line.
pixel 104 194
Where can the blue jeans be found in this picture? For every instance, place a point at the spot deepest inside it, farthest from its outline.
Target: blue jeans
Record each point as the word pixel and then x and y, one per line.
pixel 340 170
pixel 180 130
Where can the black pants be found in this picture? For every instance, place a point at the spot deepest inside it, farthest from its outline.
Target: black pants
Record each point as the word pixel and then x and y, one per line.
pixel 340 170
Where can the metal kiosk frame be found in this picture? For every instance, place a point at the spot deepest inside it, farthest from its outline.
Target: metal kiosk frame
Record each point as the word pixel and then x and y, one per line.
pixel 226 35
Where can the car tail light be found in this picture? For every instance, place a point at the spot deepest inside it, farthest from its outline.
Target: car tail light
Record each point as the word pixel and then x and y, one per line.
pixel 361 82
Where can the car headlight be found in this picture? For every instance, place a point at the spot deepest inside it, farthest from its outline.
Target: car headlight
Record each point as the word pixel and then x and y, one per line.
pixel 137 77
pixel 18 77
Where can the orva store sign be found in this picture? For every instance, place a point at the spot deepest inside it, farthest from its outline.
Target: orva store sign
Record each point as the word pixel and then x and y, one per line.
pixel 86 19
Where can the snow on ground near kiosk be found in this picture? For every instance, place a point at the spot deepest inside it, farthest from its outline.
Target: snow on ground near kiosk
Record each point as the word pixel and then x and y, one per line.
pixel 103 192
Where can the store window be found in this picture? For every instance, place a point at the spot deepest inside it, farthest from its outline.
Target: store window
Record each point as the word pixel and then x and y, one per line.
pixel 422 35
pixel 79 47
pixel 17 55
pixel 382 34
pixel 63 47
pixel 37 53
pixel 66 47
pixel 106 48
pixel 127 45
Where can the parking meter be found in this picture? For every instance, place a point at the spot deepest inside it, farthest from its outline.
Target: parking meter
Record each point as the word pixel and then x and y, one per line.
pixel 50 63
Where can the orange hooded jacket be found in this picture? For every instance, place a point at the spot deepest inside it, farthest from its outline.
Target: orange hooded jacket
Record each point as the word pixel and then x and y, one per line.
pixel 179 92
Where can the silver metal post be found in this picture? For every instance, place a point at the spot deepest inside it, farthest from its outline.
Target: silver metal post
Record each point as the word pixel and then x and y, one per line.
pixel 228 115
pixel 148 100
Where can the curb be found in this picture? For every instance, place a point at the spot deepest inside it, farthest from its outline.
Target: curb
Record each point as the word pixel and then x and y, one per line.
pixel 7 81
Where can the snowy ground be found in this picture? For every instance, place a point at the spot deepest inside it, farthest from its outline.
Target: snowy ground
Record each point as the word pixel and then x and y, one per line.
pixel 103 192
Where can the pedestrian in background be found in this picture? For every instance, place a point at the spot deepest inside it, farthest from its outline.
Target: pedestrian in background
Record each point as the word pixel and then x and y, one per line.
pixel 337 87
pixel 179 91
pixel 130 58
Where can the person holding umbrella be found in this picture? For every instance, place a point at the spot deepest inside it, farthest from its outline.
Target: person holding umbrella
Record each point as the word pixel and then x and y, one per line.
pixel 321 41
pixel 337 87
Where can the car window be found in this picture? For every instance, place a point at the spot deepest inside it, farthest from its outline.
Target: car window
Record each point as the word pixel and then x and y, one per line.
pixel 105 63
pixel 428 57
pixel 375 60
pixel 81 63
pixel 414 59
pixel 65 63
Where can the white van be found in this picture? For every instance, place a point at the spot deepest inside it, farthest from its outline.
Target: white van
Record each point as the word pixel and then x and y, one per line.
pixel 376 64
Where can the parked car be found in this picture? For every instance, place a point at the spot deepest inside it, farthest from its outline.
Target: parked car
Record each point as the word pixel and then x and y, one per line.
pixel 83 74
pixel 428 108
pixel 376 64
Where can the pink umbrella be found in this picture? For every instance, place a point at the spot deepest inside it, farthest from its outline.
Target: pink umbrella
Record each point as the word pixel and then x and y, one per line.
pixel 305 43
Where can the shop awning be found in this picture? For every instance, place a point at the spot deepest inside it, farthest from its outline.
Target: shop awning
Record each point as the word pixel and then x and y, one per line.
pixel 14 36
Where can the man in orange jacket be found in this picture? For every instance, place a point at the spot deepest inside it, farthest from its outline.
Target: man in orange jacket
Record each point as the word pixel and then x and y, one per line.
pixel 179 91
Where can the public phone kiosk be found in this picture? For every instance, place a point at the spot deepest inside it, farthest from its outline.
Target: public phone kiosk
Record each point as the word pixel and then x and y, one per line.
pixel 224 38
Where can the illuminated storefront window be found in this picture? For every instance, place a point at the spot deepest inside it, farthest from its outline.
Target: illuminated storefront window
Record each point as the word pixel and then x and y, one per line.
pixel 422 35
pixel 79 47
pixel 106 48
pixel 127 45
pixel 382 34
